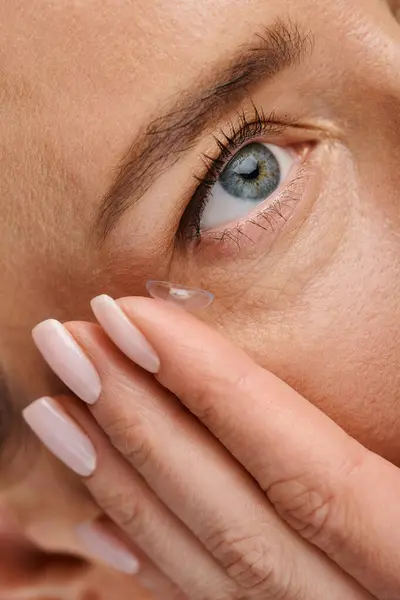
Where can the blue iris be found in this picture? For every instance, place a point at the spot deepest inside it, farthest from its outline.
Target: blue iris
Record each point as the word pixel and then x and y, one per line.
pixel 252 174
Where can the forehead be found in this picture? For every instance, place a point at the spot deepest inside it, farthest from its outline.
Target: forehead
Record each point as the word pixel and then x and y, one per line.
pixel 87 75
pixel 72 63
pixel 146 50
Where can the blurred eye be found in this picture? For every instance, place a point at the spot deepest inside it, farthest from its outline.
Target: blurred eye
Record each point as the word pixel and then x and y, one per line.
pixel 251 176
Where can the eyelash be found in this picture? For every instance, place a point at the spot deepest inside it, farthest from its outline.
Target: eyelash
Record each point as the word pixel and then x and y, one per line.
pixel 244 129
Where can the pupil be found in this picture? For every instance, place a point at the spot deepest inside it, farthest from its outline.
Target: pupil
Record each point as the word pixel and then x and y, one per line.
pixel 248 168
pixel 252 175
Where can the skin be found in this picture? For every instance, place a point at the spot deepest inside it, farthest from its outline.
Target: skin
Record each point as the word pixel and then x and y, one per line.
pixel 315 476
pixel 315 302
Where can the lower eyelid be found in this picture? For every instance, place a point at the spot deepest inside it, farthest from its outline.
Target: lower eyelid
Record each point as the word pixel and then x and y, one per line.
pixel 269 201
pixel 266 221
pixel 213 208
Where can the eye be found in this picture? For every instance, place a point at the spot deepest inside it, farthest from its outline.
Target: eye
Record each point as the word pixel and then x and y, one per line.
pixel 253 174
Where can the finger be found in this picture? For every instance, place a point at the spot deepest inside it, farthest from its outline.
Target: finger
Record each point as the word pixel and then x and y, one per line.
pixel 123 495
pixel 151 579
pixel 322 482
pixel 103 539
pixel 201 483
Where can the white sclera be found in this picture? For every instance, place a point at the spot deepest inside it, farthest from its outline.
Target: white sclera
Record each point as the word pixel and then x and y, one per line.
pixel 223 208
pixel 187 298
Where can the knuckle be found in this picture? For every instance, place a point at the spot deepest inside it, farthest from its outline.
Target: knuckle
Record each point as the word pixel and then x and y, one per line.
pixel 306 508
pixel 131 437
pixel 206 411
pixel 251 563
pixel 202 398
pixel 123 508
pixel 319 507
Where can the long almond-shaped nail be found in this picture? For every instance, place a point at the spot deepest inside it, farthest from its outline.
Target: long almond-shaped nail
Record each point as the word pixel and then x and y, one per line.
pixel 61 435
pixel 107 548
pixel 67 359
pixel 124 334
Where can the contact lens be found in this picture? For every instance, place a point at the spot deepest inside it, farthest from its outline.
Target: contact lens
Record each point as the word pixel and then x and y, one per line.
pixel 185 297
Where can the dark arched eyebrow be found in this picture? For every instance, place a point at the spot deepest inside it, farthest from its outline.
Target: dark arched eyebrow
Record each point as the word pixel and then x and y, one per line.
pixel 164 139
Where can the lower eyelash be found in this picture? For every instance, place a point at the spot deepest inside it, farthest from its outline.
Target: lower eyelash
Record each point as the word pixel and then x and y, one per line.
pixel 228 143
pixel 272 215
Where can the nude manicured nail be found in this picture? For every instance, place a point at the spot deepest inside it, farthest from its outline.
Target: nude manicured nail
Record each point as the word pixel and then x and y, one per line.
pixel 67 359
pixel 124 334
pixel 105 547
pixel 61 435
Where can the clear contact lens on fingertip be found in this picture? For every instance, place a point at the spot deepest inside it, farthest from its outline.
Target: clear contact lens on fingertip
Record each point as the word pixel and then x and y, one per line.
pixel 180 295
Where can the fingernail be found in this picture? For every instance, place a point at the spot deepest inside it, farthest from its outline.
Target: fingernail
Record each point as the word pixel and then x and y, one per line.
pixel 67 359
pixel 124 334
pixel 185 297
pixel 61 435
pixel 106 548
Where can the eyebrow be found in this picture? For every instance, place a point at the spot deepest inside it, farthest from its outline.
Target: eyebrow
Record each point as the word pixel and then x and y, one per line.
pixel 159 145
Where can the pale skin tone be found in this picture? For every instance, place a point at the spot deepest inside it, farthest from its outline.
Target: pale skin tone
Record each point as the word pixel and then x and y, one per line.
pixel 313 300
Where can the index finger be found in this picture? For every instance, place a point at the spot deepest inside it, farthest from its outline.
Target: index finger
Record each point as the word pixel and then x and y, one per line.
pixel 334 492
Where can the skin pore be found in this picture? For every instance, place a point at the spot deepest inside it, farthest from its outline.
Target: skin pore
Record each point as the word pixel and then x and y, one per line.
pixel 310 290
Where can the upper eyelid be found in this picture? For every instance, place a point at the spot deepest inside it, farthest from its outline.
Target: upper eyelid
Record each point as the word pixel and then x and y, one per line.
pixel 239 136
pixel 296 130
pixel 227 143
pixel 270 127
pixel 293 130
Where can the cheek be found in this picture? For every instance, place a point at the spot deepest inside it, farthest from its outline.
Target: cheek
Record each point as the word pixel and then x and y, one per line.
pixel 338 344
pixel 321 310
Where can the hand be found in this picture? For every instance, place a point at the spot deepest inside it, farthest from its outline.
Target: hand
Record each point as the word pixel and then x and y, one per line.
pixel 232 484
